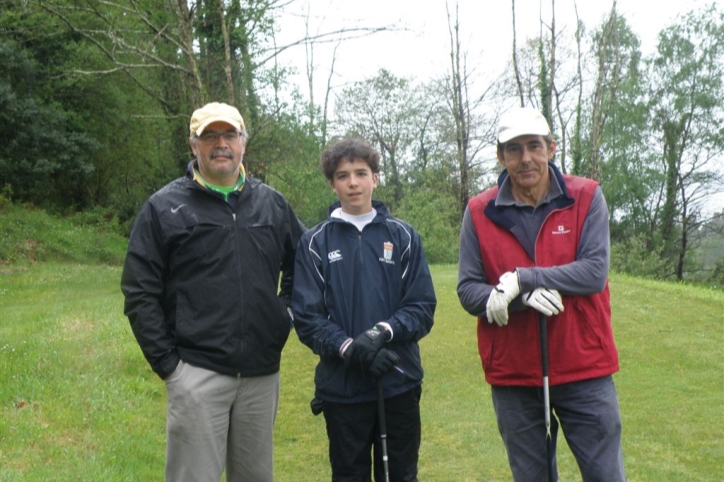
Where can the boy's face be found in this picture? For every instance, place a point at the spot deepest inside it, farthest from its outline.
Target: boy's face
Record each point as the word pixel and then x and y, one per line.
pixel 353 183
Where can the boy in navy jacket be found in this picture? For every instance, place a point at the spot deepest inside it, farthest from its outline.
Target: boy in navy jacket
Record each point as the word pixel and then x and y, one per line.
pixel 362 299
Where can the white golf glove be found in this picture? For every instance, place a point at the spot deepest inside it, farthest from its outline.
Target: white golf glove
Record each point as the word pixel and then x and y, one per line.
pixel 501 296
pixel 548 302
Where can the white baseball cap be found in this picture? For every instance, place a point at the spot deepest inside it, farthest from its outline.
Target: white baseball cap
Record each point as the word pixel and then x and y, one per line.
pixel 522 121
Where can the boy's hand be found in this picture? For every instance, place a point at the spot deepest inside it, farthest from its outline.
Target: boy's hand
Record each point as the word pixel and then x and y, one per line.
pixel 363 349
pixel 383 362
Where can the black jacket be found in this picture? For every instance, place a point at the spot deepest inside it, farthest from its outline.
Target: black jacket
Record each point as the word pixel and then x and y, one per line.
pixel 200 278
pixel 345 282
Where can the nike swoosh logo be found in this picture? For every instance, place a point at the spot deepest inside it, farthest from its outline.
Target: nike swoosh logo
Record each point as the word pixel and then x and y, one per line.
pixel 174 210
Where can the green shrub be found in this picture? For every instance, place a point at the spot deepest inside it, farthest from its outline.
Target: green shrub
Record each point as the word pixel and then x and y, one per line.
pixel 434 215
pixel 99 218
pixel 633 257
pixel 6 196
pixel 717 276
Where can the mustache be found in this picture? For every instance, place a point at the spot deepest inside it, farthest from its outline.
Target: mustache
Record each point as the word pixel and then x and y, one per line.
pixel 222 153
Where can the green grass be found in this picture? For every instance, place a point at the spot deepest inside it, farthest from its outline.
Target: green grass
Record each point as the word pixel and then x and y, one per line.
pixel 79 403
pixel 76 401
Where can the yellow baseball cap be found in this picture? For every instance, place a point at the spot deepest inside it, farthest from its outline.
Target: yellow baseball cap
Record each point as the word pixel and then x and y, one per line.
pixel 215 112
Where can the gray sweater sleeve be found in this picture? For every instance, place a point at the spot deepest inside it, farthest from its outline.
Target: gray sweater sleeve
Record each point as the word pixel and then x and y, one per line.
pixel 473 290
pixel 588 273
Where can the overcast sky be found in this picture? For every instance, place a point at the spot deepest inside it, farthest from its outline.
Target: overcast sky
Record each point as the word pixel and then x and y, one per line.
pixel 422 49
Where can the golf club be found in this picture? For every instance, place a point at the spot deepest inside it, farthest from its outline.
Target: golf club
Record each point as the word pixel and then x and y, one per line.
pixel 383 427
pixel 546 394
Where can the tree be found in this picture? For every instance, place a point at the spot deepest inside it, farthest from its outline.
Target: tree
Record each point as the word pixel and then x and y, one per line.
pixel 516 70
pixel 576 151
pixel 688 112
pixel 608 54
pixel 618 125
pixel 469 130
pixel 542 78
pixel 461 110
pixel 386 111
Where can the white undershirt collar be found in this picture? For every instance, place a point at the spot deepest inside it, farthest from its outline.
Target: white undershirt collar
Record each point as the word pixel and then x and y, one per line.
pixel 359 220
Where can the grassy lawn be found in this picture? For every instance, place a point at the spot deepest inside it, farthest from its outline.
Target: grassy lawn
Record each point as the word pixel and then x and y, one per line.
pixel 79 403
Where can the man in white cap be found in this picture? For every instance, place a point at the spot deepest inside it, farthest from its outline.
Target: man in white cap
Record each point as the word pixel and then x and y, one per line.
pixel 538 243
pixel 201 280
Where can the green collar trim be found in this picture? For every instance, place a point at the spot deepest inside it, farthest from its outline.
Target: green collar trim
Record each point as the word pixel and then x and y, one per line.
pixel 223 190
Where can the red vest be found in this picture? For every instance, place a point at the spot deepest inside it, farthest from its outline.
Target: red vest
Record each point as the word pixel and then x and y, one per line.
pixel 580 340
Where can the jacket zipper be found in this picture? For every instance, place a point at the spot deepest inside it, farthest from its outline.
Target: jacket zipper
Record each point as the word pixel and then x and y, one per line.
pixel 241 279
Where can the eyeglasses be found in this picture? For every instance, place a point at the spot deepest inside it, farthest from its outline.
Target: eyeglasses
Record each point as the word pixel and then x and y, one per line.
pixel 211 137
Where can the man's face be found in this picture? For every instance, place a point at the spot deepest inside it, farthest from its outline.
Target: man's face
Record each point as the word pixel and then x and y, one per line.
pixel 219 158
pixel 526 160
pixel 353 183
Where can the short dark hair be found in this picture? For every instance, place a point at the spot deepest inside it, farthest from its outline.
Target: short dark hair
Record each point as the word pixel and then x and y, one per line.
pixel 348 149
pixel 547 139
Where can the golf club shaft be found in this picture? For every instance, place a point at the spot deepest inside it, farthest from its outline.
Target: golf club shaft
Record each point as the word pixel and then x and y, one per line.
pixel 383 427
pixel 546 393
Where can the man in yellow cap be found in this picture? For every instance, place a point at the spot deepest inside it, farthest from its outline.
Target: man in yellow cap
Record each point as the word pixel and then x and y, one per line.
pixel 200 280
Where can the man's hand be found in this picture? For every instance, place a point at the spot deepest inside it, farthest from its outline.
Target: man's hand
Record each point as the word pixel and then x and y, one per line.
pixel 548 302
pixel 383 362
pixel 501 296
pixel 363 349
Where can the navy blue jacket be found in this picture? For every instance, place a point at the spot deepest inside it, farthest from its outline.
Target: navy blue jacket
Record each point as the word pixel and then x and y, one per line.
pixel 346 281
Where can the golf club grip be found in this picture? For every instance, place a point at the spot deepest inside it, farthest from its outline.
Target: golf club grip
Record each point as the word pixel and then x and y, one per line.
pixel 543 343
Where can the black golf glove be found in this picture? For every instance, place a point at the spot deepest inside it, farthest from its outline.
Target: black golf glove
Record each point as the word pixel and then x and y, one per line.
pixel 383 362
pixel 363 349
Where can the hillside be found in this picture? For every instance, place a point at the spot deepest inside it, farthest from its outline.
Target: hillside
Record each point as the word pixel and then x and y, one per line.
pixel 30 235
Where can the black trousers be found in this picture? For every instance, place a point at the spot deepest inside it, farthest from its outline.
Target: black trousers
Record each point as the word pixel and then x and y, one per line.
pixel 353 431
